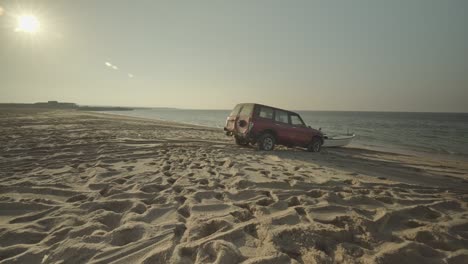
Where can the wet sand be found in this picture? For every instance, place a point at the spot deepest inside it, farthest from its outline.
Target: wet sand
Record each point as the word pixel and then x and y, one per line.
pixel 78 187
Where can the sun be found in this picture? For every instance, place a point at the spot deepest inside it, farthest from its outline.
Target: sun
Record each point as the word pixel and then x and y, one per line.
pixel 28 23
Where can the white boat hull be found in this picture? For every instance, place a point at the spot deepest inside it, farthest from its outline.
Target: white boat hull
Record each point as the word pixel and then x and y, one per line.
pixel 338 141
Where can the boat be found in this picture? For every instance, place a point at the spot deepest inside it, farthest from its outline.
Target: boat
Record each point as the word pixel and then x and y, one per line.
pixel 338 140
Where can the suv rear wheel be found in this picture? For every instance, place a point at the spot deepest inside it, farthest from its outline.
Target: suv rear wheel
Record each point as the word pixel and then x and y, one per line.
pixel 266 142
pixel 315 145
pixel 241 141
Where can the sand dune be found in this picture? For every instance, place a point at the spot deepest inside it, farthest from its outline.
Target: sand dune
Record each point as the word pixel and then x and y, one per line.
pixel 79 187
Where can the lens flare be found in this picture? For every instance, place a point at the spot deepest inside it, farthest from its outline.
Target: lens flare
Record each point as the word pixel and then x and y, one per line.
pixel 28 23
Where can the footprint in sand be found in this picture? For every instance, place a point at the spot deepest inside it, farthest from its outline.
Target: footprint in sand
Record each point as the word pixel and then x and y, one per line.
pixel 126 234
pixel 184 211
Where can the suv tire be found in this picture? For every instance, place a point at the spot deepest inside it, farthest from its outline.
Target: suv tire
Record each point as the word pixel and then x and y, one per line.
pixel 241 141
pixel 315 145
pixel 266 142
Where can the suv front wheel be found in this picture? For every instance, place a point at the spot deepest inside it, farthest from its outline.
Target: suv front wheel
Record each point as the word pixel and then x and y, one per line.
pixel 315 145
pixel 266 142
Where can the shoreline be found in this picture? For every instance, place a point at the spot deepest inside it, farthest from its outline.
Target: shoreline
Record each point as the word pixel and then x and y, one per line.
pixel 155 119
pixel 100 188
pixel 383 148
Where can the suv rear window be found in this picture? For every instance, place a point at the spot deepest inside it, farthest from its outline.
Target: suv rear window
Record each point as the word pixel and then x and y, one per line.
pixel 265 112
pixel 246 110
pixel 236 110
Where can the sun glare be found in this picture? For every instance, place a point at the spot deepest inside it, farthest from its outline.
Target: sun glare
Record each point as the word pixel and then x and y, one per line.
pixel 28 23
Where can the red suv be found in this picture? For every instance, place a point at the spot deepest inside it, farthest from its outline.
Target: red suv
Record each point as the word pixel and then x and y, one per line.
pixel 266 126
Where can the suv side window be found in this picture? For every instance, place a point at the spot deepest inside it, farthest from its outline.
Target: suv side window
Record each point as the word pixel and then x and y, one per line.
pixel 281 116
pixel 296 120
pixel 265 112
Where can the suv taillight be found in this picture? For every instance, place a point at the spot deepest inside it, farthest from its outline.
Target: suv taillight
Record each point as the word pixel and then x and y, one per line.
pixel 251 125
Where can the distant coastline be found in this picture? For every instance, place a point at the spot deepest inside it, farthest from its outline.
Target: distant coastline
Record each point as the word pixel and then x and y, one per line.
pixel 104 108
pixel 64 105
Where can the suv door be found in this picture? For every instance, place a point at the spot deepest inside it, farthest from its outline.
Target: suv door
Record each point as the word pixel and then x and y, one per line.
pixel 263 119
pixel 282 127
pixel 301 134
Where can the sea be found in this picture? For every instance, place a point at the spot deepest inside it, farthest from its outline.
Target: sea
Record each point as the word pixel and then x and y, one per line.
pixel 436 134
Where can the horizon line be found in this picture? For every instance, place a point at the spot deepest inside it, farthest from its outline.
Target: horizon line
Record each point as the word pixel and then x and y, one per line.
pixel 228 109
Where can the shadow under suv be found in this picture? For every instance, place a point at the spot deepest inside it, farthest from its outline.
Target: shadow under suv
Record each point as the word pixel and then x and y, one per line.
pixel 267 126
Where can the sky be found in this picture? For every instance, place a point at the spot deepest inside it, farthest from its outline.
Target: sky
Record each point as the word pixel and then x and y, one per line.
pixel 360 55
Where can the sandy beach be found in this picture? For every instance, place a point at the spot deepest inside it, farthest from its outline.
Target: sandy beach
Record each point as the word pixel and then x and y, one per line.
pixel 82 187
